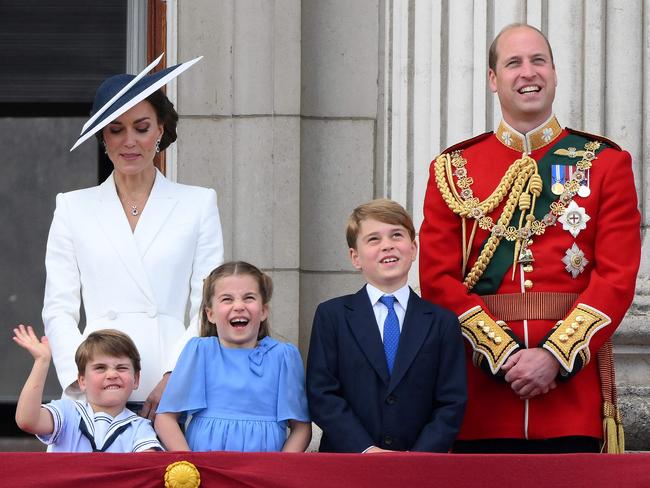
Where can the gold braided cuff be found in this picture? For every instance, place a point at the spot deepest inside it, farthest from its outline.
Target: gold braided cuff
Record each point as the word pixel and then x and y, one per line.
pixel 487 337
pixel 570 337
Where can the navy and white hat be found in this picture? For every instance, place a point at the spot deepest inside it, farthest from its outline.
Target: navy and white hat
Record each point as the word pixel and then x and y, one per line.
pixel 119 93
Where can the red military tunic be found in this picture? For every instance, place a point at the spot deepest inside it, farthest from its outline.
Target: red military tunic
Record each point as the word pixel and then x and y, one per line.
pixel 598 274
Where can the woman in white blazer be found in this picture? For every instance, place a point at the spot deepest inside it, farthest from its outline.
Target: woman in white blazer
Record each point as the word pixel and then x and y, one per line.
pixel 135 249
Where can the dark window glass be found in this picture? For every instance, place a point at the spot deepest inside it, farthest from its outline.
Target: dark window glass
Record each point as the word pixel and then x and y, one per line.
pixel 59 51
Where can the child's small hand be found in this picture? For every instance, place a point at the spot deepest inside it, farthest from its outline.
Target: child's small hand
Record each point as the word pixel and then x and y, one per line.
pixel 26 338
pixel 377 450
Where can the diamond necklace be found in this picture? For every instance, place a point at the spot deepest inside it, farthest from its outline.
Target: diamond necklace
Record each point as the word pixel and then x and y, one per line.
pixel 134 207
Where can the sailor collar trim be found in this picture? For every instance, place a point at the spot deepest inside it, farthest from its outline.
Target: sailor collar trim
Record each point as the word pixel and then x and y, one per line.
pixel 100 428
pixel 529 142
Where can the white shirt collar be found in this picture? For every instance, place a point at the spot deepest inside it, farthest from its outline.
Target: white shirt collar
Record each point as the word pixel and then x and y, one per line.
pixel 401 295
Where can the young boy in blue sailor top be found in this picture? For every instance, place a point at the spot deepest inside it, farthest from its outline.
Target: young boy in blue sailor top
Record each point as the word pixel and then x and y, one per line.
pixel 108 364
pixel 385 370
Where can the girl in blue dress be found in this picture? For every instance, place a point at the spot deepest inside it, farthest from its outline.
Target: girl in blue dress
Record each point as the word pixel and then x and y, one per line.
pixel 241 387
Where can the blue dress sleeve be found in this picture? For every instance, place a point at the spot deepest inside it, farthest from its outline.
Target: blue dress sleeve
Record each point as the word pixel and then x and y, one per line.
pixel 292 400
pixel 185 391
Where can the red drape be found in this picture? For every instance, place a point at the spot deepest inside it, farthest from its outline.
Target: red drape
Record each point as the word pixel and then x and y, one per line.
pixel 228 469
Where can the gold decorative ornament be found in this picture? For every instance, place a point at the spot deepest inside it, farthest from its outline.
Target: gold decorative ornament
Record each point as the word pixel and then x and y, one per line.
pixel 182 474
pixel 571 152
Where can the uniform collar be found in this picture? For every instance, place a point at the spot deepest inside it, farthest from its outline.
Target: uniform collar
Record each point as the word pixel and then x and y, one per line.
pixel 529 142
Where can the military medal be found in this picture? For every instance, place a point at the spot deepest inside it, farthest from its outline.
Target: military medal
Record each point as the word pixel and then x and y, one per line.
pixel 557 188
pixel 582 177
pixel 557 178
pixel 574 219
pixel 525 255
pixel 574 261
pixel 584 191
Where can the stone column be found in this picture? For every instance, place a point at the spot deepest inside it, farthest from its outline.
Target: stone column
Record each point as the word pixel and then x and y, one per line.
pixel 240 132
pixel 340 56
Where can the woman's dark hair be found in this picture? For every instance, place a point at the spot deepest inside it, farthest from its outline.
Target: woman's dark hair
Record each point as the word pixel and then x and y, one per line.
pixel 167 115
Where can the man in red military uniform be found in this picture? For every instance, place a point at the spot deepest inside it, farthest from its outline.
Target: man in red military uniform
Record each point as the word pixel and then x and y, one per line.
pixel 532 236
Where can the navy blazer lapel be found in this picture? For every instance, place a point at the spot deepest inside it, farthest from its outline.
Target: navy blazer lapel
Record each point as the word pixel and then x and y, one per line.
pixel 159 205
pixel 417 323
pixel 361 321
pixel 112 220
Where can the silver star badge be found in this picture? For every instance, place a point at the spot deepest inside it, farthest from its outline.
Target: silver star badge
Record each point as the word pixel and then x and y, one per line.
pixel 574 261
pixel 574 219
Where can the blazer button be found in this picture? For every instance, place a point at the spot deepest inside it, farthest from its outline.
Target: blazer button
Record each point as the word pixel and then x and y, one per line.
pixel 152 312
pixel 388 440
pixel 111 315
pixel 391 399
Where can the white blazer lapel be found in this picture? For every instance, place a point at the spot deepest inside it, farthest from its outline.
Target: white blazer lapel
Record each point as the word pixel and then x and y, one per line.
pixel 113 222
pixel 160 203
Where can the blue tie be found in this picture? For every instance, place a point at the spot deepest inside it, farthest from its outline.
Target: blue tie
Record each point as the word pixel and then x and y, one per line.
pixel 391 331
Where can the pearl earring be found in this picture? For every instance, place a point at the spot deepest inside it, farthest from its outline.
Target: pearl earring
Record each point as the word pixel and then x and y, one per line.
pixel 157 146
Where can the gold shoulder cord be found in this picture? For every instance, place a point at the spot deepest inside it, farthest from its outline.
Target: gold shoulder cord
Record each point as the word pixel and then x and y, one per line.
pixel 465 205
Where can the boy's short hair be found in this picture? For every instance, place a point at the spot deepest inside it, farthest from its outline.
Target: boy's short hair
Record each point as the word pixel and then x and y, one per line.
pixel 382 210
pixel 111 342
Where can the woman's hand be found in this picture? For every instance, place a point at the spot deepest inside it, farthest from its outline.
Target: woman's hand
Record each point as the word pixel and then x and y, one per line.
pixel 377 450
pixel 151 403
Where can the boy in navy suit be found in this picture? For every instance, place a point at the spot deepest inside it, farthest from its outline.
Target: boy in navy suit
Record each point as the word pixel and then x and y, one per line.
pixel 386 369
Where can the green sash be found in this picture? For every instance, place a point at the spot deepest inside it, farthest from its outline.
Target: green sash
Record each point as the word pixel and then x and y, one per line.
pixel 502 260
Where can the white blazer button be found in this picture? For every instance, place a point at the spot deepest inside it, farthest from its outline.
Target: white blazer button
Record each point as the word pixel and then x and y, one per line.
pixel 152 312
pixel 111 315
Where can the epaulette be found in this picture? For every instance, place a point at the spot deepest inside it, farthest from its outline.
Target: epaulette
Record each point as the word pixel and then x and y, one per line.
pixel 466 143
pixel 609 143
